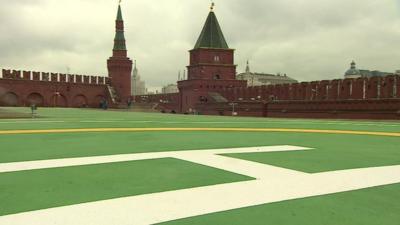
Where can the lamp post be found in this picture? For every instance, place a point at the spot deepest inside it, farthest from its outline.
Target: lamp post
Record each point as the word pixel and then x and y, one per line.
pixel 233 108
pixel 56 94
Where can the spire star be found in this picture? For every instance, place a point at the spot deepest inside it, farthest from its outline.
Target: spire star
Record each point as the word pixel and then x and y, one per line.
pixel 212 6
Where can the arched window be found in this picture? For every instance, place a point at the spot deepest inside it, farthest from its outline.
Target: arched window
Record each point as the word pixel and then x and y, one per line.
pixel 216 58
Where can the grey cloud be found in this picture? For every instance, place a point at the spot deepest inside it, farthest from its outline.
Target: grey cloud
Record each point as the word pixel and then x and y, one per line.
pixel 308 39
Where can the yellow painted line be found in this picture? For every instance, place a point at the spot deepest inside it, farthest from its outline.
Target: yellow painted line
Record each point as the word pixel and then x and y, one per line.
pixel 85 130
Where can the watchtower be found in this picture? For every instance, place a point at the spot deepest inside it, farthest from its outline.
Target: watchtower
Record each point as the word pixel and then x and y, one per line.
pixel 211 66
pixel 119 65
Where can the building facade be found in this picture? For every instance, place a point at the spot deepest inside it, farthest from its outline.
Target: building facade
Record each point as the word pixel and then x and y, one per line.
pixel 259 79
pixel 170 89
pixel 354 73
pixel 138 85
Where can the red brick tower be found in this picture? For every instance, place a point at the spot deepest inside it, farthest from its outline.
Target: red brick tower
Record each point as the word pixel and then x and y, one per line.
pixel 211 68
pixel 119 65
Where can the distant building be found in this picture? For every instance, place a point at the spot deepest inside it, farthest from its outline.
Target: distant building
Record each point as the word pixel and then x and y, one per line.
pixel 170 88
pixel 259 79
pixel 353 72
pixel 138 86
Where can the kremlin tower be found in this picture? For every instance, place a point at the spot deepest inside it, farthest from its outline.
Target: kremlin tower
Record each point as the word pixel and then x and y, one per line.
pixel 211 68
pixel 119 65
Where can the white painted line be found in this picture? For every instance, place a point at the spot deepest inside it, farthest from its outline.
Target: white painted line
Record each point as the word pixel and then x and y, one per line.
pixel 172 205
pixel 45 164
pixel 248 168
pixel 98 121
pixel 29 121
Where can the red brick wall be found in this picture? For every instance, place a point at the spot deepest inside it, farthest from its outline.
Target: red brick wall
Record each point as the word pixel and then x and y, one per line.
pixel 358 89
pixel 120 70
pixel 387 87
pixel 15 91
pixel 320 99
pixel 26 75
pixel 192 90
pixel 252 109
pixel 397 78
pixel 345 89
pixel 372 88
pixel 203 64
pixel 166 102
pixel 344 109
pixel 51 94
pixel 322 90
pixel 334 89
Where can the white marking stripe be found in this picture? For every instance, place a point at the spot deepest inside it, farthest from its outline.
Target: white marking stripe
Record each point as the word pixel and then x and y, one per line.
pixel 45 164
pixel 273 185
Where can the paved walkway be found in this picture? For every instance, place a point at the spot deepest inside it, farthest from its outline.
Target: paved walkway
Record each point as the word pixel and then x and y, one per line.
pixel 272 184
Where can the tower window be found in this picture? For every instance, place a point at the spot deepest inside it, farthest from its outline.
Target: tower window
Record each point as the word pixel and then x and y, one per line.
pixel 216 58
pixel 217 77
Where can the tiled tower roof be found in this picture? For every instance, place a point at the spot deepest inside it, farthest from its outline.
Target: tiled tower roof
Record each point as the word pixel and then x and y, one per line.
pixel 211 36
pixel 119 40
pixel 119 15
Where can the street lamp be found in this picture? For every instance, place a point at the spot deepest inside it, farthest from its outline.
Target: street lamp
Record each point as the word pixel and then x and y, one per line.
pixel 233 108
pixel 56 94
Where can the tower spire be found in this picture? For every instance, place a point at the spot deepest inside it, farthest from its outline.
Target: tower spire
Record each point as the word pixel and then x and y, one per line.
pixel 135 71
pixel 119 65
pixel 211 36
pixel 119 14
pixel 248 67
pixel 119 40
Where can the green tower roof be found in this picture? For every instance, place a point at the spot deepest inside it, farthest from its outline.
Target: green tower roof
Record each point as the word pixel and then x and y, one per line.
pixel 119 15
pixel 211 36
pixel 119 40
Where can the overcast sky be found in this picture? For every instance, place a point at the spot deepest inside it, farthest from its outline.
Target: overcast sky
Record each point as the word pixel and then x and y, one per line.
pixel 307 39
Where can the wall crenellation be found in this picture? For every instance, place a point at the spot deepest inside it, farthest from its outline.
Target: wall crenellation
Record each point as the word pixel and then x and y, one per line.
pixel 339 89
pixel 325 90
pixel 53 77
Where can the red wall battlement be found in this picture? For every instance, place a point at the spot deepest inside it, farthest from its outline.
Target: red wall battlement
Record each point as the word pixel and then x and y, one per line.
pixel 165 102
pixel 338 109
pixel 346 89
pixel 53 77
pixel 23 88
pixel 362 98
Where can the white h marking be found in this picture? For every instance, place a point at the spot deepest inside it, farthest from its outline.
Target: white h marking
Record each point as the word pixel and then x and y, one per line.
pixel 272 184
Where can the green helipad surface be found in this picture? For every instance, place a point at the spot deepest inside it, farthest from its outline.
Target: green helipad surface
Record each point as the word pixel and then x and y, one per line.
pixel 46 188
pixel 365 207
pixel 36 189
